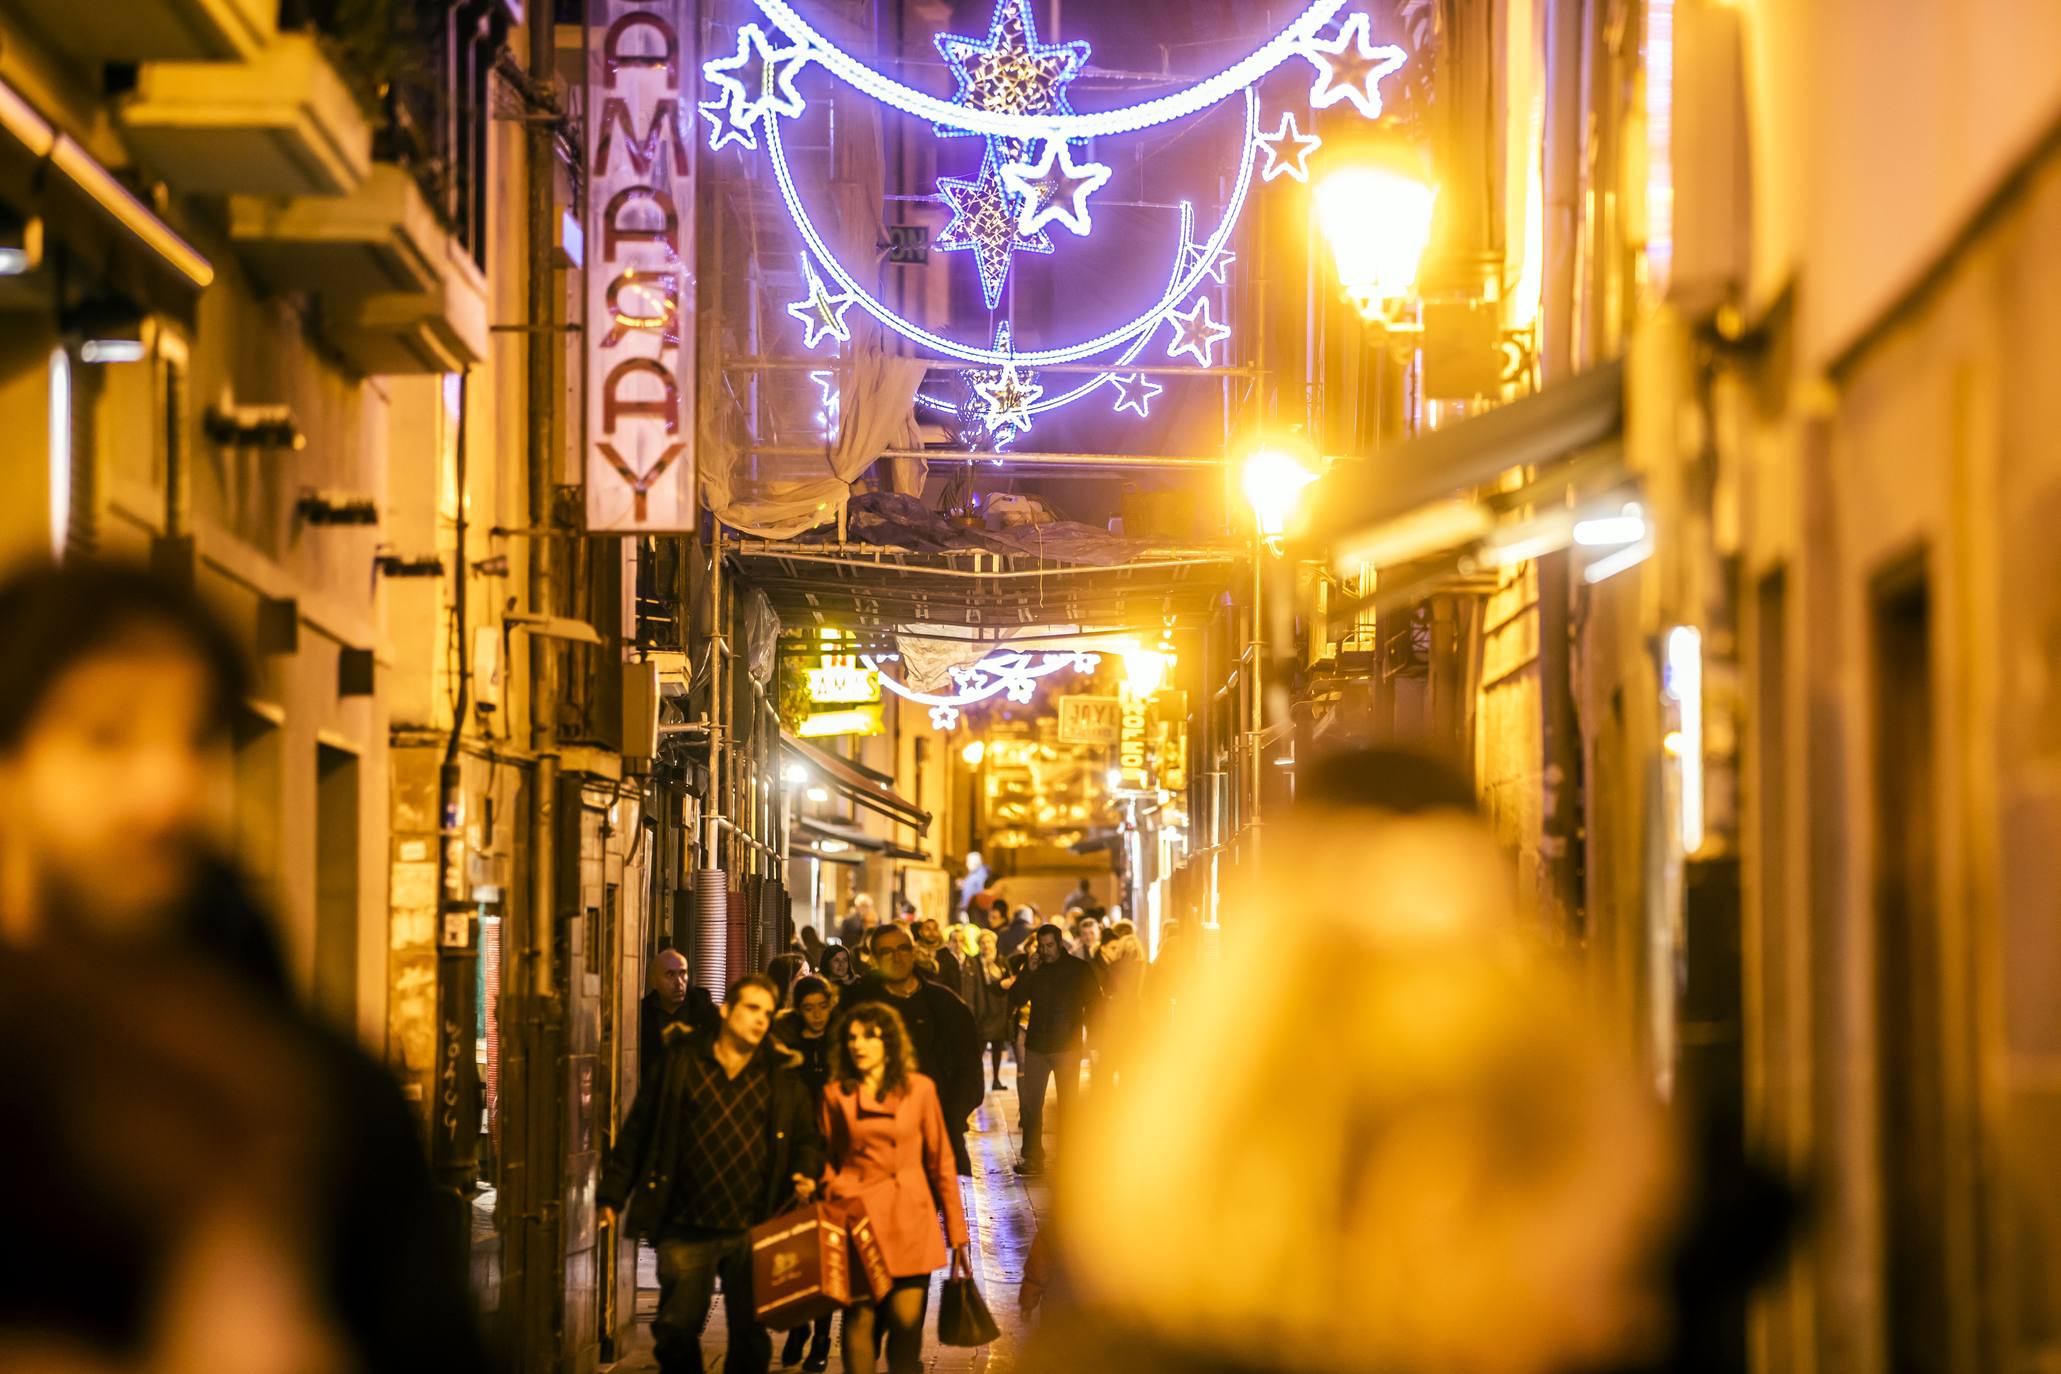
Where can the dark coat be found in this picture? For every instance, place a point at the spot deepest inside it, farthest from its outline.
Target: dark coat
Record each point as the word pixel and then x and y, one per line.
pixel 1013 936
pixel 990 1003
pixel 1064 996
pixel 815 1054
pixel 698 1012
pixel 645 1160
pixel 946 1043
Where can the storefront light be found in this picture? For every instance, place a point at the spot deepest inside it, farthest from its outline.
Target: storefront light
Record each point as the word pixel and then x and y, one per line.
pixel 1377 220
pixel 818 794
pixel 973 753
pixel 1628 526
pixel 795 774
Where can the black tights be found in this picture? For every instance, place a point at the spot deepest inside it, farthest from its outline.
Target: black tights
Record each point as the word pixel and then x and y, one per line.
pixel 995 1055
pixel 901 1314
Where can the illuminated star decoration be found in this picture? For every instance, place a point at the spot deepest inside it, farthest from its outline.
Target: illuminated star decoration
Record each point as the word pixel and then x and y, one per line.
pixel 944 718
pixel 1295 162
pixel 1195 266
pixel 1006 393
pixel 821 312
pixel 1195 332
pixel 984 219
pixel 830 401
pixel 1055 187
pixel 974 432
pixel 1134 391
pixel 721 131
pixel 1011 71
pixel 1350 67
pixel 759 80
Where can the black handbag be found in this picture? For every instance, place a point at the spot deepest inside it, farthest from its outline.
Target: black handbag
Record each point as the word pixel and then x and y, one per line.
pixel 963 1318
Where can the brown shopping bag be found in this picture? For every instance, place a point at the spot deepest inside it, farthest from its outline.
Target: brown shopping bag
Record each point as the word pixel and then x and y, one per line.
pixel 869 1262
pixel 800 1269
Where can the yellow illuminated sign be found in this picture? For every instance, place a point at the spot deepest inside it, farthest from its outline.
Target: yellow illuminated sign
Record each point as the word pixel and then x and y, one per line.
pixel 837 683
pixel 862 720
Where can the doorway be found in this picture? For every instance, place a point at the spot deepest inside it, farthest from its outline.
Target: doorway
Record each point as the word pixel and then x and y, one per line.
pixel 336 885
pixel 1908 1004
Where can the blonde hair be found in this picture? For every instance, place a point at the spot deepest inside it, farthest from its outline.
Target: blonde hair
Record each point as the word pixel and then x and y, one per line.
pixel 1471 1148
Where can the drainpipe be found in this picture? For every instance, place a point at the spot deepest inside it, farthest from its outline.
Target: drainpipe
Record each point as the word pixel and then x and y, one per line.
pixel 454 1134
pixel 1561 778
pixel 541 458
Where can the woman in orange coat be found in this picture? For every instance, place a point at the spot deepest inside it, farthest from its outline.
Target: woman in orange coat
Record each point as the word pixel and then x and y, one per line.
pixel 888 1149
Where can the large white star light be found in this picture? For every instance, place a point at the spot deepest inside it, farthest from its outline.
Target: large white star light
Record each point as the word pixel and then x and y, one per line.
pixel 1350 66
pixel 1055 187
pixel 1295 161
pixel 985 222
pixel 756 81
pixel 1195 333
pixel 820 312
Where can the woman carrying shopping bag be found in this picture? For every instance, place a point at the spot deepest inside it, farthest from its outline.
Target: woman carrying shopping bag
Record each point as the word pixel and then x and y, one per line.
pixel 889 1150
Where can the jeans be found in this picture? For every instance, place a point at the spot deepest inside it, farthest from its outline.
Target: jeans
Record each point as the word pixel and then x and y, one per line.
pixel 688 1267
pixel 1037 1073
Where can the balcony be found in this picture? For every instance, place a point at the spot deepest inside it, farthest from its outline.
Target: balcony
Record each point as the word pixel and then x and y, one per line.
pixel 153 30
pixel 441 328
pixel 380 239
pixel 284 123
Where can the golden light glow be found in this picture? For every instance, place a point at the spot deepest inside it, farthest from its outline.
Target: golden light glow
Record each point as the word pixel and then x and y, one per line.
pixel 863 720
pixel 1274 480
pixel 1377 221
pixel 973 753
pixel 1145 670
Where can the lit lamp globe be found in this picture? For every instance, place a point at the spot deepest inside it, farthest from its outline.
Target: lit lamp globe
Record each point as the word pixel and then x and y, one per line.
pixel 1374 210
pixel 1274 480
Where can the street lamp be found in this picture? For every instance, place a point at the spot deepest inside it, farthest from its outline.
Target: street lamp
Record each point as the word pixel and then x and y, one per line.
pixel 1374 211
pixel 1274 480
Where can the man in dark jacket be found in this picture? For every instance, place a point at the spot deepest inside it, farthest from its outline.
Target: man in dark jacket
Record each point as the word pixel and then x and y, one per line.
pixel 719 1139
pixel 671 1000
pixel 941 1029
pixel 1062 991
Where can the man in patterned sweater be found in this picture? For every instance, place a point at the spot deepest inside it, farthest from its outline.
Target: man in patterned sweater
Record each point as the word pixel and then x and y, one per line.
pixel 722 1136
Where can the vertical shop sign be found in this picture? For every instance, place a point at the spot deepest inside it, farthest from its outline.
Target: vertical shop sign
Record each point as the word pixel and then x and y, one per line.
pixel 1130 748
pixel 640 145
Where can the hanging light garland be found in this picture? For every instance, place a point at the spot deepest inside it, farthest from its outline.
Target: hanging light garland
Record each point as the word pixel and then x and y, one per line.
pixel 1014 675
pixel 1012 92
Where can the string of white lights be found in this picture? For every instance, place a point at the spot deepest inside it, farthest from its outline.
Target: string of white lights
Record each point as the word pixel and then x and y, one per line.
pixel 783 175
pixel 1289 42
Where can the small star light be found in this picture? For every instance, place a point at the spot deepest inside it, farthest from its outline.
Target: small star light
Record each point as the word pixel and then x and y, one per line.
pixel 1213 268
pixel 1055 187
pixel 722 131
pixel 820 312
pixel 1134 391
pixel 1009 398
pixel 1011 71
pixel 1195 332
pixel 984 220
pixel 1350 67
pixel 1296 159
pixel 758 77
pixel 944 718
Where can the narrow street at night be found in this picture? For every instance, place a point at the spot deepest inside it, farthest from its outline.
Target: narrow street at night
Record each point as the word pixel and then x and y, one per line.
pixel 1030 687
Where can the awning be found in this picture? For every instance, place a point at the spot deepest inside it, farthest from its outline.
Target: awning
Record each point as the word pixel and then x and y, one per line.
pixel 1554 427
pixel 810 832
pixel 103 229
pixel 869 788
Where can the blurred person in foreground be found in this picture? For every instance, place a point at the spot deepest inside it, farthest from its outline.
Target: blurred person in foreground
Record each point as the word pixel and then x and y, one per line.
pixel 719 1139
pixel 1469 1182
pixel 117 697
pixel 156 1208
pixel 672 1000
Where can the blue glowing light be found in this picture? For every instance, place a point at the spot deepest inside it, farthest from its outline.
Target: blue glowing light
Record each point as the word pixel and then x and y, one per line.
pixel 1070 127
